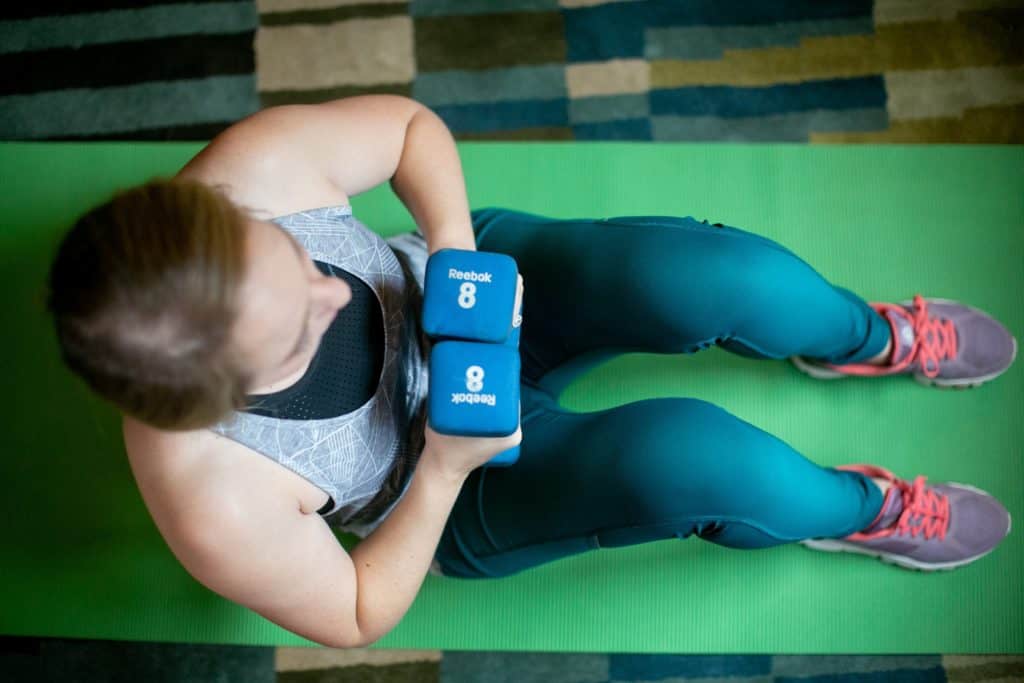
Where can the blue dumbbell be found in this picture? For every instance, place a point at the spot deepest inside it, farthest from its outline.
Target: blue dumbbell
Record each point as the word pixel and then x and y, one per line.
pixel 469 295
pixel 474 387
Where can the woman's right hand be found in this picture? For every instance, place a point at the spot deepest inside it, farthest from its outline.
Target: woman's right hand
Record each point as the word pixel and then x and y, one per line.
pixel 460 455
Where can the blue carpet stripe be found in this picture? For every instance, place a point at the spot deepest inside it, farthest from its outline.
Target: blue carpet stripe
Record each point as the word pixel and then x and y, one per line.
pixel 711 42
pixel 111 110
pixel 725 101
pixel 933 675
pixel 437 8
pixel 507 115
pixel 792 127
pixel 658 667
pixel 818 665
pixel 130 24
pixel 608 108
pixel 546 82
pixel 625 129
pixel 616 30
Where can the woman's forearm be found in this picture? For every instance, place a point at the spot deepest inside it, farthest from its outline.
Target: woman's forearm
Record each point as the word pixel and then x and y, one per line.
pixel 430 183
pixel 392 562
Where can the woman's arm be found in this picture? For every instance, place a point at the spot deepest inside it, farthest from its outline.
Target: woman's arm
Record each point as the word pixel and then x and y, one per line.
pixel 295 157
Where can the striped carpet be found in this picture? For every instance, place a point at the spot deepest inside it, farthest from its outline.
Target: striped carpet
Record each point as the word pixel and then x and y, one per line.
pixel 703 70
pixel 784 71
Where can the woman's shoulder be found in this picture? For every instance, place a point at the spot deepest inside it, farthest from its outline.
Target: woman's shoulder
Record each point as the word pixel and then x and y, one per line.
pixel 188 477
pixel 262 175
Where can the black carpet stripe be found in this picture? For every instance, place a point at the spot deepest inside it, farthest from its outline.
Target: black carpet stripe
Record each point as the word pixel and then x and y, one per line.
pixel 20 9
pixel 98 66
pixel 333 14
pixel 199 132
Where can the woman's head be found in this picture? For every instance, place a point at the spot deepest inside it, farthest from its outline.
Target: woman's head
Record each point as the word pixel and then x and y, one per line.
pixel 172 303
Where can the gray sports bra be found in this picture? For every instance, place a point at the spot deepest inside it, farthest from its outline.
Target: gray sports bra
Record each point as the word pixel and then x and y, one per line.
pixel 354 429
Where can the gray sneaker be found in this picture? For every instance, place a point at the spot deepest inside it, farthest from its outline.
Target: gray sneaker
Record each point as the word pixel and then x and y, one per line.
pixel 942 342
pixel 942 526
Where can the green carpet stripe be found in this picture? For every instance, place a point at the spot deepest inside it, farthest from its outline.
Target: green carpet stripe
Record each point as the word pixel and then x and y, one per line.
pixel 543 82
pixel 332 14
pixel 710 42
pixel 792 127
pixel 608 108
pixel 129 24
pixel 489 41
pixel 82 112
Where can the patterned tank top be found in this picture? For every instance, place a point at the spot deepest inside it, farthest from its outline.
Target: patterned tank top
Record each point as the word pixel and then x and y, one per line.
pixel 363 459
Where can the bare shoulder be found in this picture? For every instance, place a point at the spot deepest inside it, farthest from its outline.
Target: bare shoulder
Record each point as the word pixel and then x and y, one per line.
pixel 176 472
pixel 263 169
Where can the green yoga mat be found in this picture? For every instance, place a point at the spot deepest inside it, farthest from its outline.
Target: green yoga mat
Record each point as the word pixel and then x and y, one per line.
pixel 80 556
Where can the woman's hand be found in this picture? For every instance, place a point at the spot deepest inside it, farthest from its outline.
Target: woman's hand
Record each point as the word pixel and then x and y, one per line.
pixel 457 456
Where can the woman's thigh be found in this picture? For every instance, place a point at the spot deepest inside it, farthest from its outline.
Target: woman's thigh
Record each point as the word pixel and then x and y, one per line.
pixel 641 472
pixel 669 285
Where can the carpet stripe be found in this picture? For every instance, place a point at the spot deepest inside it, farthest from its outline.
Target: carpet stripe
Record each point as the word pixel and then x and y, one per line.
pixel 273 98
pixel 330 15
pixel 943 93
pixel 987 671
pixel 590 3
pixel 933 675
pixel 505 115
pixel 790 127
pixel 123 25
pixel 622 129
pixel 617 30
pixel 27 10
pixel 817 665
pixel 98 66
pixel 462 87
pixel 841 93
pixel 985 39
pixel 489 41
pixel 88 111
pixel 984 125
pixel 896 11
pixel 656 667
pixel 710 42
pixel 608 78
pixel 345 53
pixel 540 133
pixel 523 667
pixel 199 132
pixel 610 108
pixel 438 8
pixel 305 658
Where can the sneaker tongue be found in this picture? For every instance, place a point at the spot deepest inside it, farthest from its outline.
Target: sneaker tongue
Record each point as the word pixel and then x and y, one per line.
pixel 905 333
pixel 892 508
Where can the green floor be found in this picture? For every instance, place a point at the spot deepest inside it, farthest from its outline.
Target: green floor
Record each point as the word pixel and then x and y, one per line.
pixel 81 557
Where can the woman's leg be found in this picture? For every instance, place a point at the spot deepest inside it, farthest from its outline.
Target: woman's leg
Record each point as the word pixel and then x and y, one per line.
pixel 671 285
pixel 645 471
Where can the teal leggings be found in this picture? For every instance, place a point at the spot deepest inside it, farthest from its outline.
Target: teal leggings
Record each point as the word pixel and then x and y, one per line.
pixel 658 468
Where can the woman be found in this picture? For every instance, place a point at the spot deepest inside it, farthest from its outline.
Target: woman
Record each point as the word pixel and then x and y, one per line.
pixel 265 349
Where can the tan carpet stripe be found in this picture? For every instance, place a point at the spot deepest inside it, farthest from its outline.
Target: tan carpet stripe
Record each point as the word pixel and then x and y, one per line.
pixel 345 53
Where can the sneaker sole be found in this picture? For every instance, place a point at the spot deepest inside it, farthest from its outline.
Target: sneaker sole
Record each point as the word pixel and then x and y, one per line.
pixel 831 545
pixel 819 372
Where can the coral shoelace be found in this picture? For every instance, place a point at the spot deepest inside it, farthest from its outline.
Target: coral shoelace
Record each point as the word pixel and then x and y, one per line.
pixel 934 338
pixel 919 503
